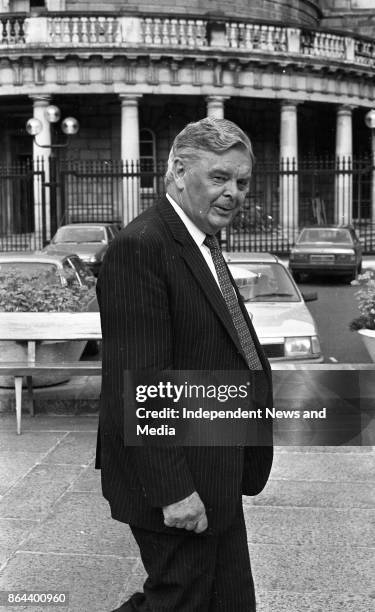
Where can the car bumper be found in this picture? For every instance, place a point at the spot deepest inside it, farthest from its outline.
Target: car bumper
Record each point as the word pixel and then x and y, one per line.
pixel 323 268
pixel 275 360
pixel 275 353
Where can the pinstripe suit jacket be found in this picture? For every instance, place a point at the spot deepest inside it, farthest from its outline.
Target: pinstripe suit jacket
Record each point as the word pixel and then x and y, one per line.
pixel 161 308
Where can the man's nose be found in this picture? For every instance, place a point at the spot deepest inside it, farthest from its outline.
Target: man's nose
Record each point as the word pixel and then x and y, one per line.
pixel 231 189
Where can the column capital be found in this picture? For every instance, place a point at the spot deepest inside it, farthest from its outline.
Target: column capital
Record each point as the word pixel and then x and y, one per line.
pixel 41 99
pixel 217 99
pixel 345 109
pixel 287 102
pixel 130 99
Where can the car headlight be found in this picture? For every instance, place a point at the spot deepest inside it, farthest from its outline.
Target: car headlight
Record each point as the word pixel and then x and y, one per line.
pixel 302 346
pixel 349 257
pixel 92 259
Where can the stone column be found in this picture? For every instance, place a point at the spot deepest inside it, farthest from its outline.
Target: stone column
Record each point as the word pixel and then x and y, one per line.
pixel 343 176
pixel 215 106
pixel 130 156
pixel 288 166
pixel 41 161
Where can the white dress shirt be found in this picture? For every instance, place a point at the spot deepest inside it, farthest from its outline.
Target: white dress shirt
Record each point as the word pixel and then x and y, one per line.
pixel 197 235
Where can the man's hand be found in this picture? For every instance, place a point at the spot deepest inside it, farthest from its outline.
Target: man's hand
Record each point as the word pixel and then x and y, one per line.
pixel 188 513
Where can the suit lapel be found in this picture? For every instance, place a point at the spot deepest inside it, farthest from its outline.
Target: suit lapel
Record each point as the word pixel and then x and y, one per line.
pixel 199 269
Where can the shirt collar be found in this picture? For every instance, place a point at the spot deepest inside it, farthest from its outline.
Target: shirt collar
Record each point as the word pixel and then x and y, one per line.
pixel 197 234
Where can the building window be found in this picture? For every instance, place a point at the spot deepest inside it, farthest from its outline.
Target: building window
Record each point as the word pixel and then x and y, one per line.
pixel 37 4
pixel 147 158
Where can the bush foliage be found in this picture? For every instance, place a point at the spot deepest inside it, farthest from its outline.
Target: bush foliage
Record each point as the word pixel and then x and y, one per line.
pixel 366 301
pixel 43 292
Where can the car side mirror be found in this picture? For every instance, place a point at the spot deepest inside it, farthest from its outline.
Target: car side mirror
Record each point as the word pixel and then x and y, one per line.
pixel 310 297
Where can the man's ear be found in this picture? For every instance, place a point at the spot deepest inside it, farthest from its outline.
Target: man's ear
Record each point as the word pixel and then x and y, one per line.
pixel 179 171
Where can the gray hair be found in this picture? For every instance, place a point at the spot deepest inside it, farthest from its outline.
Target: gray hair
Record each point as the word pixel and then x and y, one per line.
pixel 208 134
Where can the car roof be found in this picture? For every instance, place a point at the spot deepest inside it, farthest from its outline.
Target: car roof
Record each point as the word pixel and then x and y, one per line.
pixel 93 224
pixel 327 226
pixel 246 257
pixel 34 256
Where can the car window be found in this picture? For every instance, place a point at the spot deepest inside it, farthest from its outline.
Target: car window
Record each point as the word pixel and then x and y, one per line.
pixel 79 234
pixel 70 273
pixel 271 283
pixel 31 269
pixel 325 235
pixel 111 234
pixel 83 271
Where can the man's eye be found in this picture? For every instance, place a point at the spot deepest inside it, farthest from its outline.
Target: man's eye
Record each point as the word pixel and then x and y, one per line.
pixel 219 178
pixel 242 185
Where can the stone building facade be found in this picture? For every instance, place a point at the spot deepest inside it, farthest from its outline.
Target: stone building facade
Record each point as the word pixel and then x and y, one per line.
pixel 297 76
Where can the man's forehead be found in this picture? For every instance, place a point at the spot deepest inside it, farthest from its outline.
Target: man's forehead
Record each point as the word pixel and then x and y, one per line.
pixel 226 158
pixel 229 163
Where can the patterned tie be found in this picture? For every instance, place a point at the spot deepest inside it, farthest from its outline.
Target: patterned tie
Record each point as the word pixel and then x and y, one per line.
pixel 231 301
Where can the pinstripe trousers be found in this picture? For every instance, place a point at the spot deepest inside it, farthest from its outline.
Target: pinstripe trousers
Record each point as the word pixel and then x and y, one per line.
pixel 190 572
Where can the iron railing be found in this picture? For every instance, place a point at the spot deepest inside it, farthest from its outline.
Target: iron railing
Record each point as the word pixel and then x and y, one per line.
pixel 284 196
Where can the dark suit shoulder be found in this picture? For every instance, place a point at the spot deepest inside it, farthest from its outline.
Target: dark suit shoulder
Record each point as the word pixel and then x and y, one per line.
pixel 149 225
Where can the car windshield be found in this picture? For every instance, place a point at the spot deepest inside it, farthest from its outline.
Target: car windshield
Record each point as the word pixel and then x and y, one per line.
pixel 264 282
pixel 28 268
pixel 31 269
pixel 79 234
pixel 325 235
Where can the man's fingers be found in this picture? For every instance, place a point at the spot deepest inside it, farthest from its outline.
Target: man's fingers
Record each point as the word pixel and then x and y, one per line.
pixel 190 526
pixel 202 524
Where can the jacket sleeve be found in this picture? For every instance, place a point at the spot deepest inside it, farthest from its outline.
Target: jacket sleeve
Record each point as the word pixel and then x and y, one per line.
pixel 137 335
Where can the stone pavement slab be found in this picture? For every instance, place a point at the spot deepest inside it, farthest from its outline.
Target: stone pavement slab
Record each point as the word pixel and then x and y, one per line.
pixel 311 526
pixel 289 567
pixel 35 494
pixel 316 494
pixel 12 533
pixel 93 582
pixel 81 523
pixel 284 601
pixel 75 448
pixel 311 532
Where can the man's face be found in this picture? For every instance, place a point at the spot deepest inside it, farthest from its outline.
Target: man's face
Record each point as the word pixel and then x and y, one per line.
pixel 212 188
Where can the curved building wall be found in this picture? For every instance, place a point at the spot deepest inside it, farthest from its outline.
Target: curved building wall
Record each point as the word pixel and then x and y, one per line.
pixel 303 12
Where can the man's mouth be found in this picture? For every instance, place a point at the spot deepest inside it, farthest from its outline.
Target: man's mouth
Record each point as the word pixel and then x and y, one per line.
pixel 224 209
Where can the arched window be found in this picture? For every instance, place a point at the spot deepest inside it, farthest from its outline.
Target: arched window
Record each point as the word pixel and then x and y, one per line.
pixel 147 158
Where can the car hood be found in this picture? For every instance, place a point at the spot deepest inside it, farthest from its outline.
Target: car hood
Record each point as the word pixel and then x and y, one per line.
pixel 312 248
pixel 80 248
pixel 278 320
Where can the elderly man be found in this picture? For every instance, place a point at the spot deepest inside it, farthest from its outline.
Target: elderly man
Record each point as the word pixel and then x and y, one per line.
pixel 168 302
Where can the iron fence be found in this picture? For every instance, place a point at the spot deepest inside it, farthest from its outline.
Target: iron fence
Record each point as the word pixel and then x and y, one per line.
pixel 35 200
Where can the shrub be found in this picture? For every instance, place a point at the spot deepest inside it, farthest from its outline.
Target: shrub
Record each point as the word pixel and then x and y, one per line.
pixel 366 301
pixel 41 292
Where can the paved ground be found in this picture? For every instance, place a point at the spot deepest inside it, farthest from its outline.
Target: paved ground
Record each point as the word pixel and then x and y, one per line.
pixel 311 532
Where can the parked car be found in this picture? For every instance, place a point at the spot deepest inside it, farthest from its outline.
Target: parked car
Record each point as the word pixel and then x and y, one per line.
pixel 327 249
pixel 88 240
pixel 64 268
pixel 284 325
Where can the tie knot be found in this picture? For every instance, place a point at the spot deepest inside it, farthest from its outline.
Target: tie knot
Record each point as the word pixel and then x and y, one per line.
pixel 212 242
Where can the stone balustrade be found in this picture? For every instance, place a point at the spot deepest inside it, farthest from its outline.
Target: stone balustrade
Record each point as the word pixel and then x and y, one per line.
pixel 12 31
pixel 84 31
pixel 173 32
pixel 257 37
pixel 323 44
pixel 79 31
